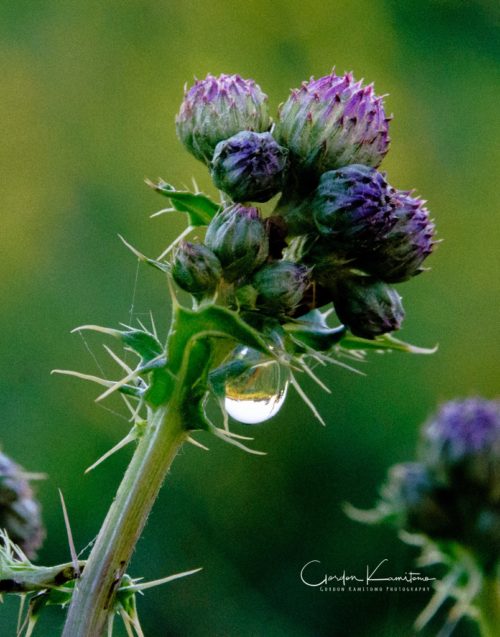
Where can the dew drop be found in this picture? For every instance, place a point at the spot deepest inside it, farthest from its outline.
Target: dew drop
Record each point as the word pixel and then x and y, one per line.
pixel 258 393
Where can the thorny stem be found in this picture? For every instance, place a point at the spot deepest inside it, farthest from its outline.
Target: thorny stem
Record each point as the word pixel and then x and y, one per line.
pixel 94 595
pixel 489 607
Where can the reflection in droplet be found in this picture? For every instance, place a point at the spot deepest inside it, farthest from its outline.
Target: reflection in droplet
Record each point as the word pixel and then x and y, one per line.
pixel 258 393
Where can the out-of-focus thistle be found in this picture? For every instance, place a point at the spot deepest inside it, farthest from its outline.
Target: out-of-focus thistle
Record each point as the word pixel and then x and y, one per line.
pixel 217 108
pixel 196 269
pixel 20 513
pixel 238 237
pixel 249 166
pixel 332 122
pixel 366 306
pixel 415 502
pixel 461 445
pixel 449 503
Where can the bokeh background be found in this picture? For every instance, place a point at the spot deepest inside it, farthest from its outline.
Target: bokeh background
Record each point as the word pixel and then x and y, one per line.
pixel 88 99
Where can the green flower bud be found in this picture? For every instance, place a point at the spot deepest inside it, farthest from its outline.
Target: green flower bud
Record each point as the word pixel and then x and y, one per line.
pixel 238 237
pixel 246 297
pixel 366 306
pixel 217 108
pixel 196 269
pixel 19 511
pixel 280 287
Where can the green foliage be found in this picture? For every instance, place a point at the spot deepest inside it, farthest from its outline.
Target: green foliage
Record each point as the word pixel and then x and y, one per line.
pixel 54 586
pixel 199 208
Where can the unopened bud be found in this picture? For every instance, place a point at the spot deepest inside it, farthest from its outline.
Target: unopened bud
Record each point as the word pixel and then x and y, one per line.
pixel 216 108
pixel 19 511
pixel 332 122
pixel 461 443
pixel 238 237
pixel 280 287
pixel 196 269
pixel 366 306
pixel 249 166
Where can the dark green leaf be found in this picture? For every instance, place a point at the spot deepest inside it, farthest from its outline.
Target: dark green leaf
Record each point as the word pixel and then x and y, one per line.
pixel 143 343
pixel 199 208
pixel 316 337
pixel 211 321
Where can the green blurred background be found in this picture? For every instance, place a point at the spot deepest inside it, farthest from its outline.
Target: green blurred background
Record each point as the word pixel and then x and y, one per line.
pixel 87 106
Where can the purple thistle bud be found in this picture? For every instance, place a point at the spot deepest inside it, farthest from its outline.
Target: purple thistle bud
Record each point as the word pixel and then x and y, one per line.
pixel 280 287
pixel 249 166
pixel 406 244
pixel 238 237
pixel 217 108
pixel 366 306
pixel 19 510
pixel 332 122
pixel 353 207
pixel 416 502
pixel 461 443
pixel 453 493
pixel 196 269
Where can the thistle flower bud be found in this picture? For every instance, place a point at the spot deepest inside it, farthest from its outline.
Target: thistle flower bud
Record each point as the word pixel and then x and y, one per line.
pixel 280 287
pixel 332 122
pixel 249 166
pixel 217 108
pixel 416 501
pixel 196 269
pixel 461 444
pixel 406 244
pixel 366 306
pixel 238 237
pixel 19 511
pixel 353 208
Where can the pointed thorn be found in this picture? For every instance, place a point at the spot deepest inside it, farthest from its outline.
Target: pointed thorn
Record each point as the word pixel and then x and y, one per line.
pixel 74 556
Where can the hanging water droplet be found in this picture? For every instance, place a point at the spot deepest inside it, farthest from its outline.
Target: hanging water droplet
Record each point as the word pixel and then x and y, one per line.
pixel 259 392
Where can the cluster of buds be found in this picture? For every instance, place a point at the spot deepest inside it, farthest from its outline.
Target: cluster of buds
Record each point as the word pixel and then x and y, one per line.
pixel 344 232
pixel 19 510
pixel 236 261
pixel 452 493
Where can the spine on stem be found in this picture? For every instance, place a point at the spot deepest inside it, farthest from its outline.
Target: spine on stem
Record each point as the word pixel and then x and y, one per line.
pixel 93 598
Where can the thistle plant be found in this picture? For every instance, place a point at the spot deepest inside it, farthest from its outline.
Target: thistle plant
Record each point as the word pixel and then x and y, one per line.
pixel 447 502
pixel 20 511
pixel 270 294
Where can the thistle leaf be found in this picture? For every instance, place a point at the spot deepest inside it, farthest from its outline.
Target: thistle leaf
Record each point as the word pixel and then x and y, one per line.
pixel 147 346
pixel 199 208
pixel 384 342
pixel 315 336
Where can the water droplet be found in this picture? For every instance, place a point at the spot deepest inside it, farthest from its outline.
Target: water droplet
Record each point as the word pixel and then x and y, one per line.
pixel 258 393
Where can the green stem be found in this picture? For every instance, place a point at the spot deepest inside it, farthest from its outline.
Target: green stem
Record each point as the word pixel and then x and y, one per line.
pixel 93 598
pixel 489 607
